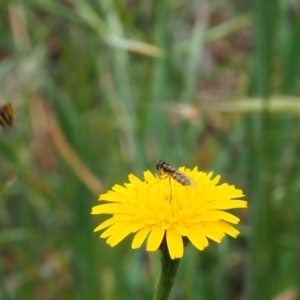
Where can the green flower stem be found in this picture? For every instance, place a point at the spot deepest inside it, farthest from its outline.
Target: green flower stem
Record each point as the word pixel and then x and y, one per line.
pixel 168 273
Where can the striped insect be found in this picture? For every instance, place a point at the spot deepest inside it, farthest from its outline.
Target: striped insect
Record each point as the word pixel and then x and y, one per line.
pixel 166 169
pixel 7 114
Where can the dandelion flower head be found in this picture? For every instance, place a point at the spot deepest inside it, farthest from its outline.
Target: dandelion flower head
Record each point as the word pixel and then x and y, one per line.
pixel 158 208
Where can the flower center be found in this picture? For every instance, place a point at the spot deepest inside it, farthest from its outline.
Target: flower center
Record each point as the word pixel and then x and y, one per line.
pixel 167 197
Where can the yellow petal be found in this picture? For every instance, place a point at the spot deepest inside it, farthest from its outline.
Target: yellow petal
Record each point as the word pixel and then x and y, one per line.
pixel 114 208
pixel 111 196
pixel 197 237
pixel 216 179
pixel 227 228
pixel 232 204
pixel 175 243
pixel 148 176
pixel 117 237
pixel 107 209
pixel 140 236
pixel 181 228
pixel 225 216
pixel 120 189
pixel 114 229
pixel 134 180
pixel 213 234
pixel 137 225
pixel 155 238
pixel 105 224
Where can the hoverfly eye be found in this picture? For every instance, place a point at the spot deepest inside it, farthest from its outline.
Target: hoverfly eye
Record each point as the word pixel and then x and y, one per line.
pixel 158 164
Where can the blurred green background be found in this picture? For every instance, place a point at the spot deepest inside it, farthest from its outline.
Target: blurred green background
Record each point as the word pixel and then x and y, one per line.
pixel 102 89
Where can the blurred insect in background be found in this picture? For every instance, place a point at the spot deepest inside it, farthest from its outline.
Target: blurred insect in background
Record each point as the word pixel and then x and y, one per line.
pixel 7 114
pixel 167 169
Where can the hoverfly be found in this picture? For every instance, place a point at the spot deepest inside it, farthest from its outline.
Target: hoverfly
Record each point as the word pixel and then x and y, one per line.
pixel 7 114
pixel 165 168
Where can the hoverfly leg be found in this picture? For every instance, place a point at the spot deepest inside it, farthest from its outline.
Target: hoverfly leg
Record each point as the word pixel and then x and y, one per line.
pixel 170 188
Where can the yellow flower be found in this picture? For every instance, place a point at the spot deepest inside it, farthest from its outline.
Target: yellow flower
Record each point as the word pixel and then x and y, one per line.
pixel 161 207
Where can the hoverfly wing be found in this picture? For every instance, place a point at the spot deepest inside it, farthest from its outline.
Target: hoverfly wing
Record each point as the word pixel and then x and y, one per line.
pixel 191 181
pixel 185 180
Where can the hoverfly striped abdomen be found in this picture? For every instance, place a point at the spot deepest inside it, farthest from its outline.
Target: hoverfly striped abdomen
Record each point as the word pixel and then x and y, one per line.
pixel 165 168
